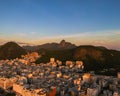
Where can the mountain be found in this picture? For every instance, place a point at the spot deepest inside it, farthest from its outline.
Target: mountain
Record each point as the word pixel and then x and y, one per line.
pixel 11 50
pixel 94 58
pixel 52 46
pixel 97 57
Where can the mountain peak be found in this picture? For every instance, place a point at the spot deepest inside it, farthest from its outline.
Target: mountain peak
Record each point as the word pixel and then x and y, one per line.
pixel 11 50
pixel 63 42
pixel 11 42
pixel 52 46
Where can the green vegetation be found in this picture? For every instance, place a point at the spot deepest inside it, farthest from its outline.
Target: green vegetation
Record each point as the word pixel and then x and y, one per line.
pixel 62 55
pixel 98 59
pixel 94 58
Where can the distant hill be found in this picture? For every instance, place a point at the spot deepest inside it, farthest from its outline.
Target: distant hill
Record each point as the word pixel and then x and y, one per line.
pixel 94 58
pixel 51 46
pixel 11 50
pixel 97 57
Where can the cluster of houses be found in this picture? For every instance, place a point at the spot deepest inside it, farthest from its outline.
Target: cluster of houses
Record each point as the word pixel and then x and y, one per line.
pixel 54 79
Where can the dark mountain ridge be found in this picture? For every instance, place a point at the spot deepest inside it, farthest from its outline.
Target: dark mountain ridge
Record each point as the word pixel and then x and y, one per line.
pixel 11 50
pixel 94 58
pixel 51 46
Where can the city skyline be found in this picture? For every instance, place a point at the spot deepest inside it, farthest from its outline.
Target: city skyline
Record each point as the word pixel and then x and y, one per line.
pixel 42 21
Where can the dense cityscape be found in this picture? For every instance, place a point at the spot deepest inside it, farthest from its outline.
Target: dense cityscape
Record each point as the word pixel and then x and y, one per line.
pixel 22 77
pixel 59 47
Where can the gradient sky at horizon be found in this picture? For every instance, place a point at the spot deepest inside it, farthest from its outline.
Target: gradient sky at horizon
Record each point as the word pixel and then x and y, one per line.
pixel 82 22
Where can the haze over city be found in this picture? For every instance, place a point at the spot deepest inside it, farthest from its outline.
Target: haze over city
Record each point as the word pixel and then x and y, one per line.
pixel 95 22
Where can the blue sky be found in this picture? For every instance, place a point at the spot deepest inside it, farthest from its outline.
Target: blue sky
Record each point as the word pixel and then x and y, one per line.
pixel 82 22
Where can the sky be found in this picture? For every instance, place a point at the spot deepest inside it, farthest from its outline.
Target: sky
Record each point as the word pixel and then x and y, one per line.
pixel 82 22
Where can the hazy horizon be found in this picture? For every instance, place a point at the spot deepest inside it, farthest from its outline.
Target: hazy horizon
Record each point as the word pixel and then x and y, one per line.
pixel 36 22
